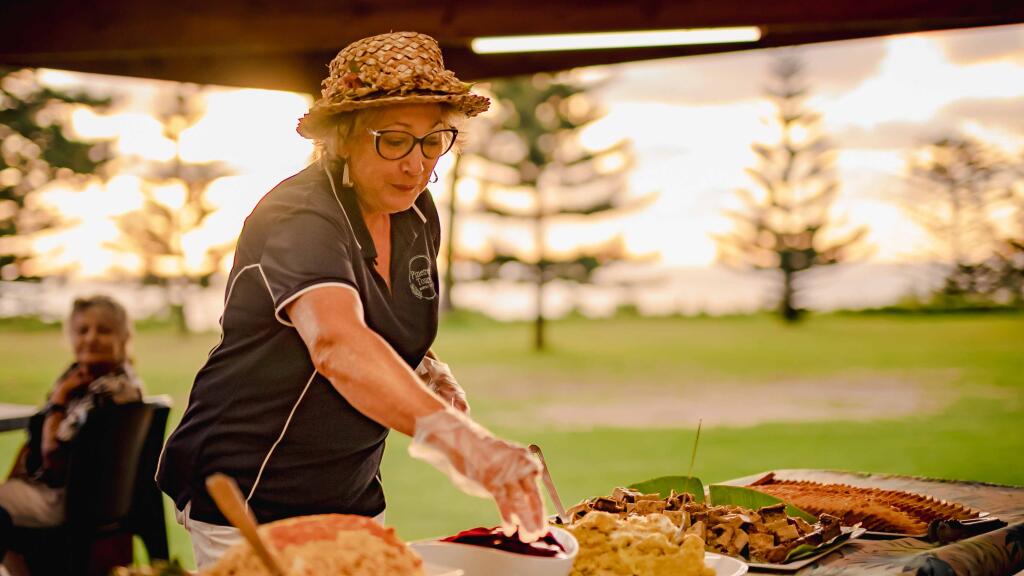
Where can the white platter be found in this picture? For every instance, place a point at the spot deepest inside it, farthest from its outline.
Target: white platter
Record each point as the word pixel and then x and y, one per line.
pixel 724 565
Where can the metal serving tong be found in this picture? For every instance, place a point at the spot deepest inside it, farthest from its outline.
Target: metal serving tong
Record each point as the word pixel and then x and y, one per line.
pixel 550 484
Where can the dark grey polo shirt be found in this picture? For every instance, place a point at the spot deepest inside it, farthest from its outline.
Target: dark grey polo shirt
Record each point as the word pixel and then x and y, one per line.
pixel 258 410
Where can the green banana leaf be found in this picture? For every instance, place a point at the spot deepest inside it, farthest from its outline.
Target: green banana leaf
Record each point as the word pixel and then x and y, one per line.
pixel 805 550
pixel 664 486
pixel 800 551
pixel 740 496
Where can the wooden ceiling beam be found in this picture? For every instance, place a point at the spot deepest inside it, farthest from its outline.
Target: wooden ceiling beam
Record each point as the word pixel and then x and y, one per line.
pixel 287 46
pixel 151 27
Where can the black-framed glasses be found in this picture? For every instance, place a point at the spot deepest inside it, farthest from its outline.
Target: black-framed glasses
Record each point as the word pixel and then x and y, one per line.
pixel 396 144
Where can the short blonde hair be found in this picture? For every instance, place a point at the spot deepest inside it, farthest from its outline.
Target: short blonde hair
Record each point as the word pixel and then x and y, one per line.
pixel 113 307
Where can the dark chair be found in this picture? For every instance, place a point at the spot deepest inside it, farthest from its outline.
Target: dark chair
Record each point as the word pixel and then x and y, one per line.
pixel 146 519
pixel 103 463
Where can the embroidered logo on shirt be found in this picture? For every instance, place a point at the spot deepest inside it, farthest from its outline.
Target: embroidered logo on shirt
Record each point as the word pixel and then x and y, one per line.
pixel 420 282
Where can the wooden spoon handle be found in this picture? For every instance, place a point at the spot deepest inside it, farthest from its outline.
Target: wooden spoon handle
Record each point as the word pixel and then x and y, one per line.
pixel 229 499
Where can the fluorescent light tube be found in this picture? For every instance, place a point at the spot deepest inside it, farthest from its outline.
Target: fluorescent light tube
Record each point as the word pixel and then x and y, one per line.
pixel 605 40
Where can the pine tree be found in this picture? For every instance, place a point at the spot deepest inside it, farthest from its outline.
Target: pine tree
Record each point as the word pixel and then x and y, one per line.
pixel 156 231
pixel 957 186
pixel 35 150
pixel 954 184
pixel 536 172
pixel 785 228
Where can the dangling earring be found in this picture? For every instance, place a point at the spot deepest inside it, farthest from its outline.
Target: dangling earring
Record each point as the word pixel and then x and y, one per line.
pixel 346 180
pixel 433 177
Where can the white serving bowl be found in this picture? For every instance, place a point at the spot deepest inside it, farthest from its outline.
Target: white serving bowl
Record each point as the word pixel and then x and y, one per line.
pixel 483 561
pixel 431 569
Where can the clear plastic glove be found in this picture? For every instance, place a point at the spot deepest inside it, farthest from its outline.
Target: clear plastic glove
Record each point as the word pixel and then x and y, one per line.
pixel 481 464
pixel 438 377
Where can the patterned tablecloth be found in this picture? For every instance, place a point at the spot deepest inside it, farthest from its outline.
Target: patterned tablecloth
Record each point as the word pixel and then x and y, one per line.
pixel 995 553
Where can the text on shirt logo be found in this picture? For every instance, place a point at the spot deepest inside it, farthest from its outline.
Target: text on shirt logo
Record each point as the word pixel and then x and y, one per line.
pixel 420 282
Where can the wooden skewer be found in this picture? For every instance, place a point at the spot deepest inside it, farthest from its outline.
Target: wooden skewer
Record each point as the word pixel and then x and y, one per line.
pixel 693 456
pixel 681 531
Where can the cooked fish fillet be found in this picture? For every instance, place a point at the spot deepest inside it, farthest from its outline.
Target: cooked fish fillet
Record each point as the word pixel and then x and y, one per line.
pixel 876 509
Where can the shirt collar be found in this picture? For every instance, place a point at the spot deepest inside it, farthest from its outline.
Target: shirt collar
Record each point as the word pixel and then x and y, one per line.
pixel 403 223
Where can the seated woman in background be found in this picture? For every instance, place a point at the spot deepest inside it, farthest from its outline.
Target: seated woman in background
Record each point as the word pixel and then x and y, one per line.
pixel 33 497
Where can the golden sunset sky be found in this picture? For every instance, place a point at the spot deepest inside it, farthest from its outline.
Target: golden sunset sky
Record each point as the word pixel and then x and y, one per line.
pixel 691 121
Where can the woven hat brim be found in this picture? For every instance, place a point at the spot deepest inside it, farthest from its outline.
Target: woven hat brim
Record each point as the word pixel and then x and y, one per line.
pixel 318 121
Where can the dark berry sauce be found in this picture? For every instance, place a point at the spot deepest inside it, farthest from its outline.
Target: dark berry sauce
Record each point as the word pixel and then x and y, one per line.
pixel 547 546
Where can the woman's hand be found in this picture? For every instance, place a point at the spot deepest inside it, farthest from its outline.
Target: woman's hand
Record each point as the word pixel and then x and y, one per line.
pixel 74 380
pixel 481 464
pixel 439 378
pixel 451 393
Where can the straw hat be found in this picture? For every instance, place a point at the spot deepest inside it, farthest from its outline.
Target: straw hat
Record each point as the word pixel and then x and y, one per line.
pixel 393 68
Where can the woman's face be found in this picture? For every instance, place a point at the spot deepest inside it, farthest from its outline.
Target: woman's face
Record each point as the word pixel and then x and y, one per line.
pixel 389 186
pixel 96 338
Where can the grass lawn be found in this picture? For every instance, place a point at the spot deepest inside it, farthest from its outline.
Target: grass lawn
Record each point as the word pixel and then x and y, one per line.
pixel 959 379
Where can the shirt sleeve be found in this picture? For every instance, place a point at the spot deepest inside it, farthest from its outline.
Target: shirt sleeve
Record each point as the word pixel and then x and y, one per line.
pixel 304 251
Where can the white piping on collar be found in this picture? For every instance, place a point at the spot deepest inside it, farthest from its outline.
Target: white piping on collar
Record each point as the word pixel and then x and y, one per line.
pixel 423 218
pixel 340 205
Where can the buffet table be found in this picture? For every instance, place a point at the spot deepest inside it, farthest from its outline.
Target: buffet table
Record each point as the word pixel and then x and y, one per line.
pixel 1000 551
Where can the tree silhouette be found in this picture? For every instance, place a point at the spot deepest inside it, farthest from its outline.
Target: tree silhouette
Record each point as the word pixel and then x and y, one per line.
pixel 174 204
pixel 789 226
pixel 533 170
pixel 960 185
pixel 35 150
pixel 954 184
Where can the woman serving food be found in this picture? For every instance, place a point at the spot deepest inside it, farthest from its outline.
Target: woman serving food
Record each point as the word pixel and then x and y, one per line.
pixel 330 313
